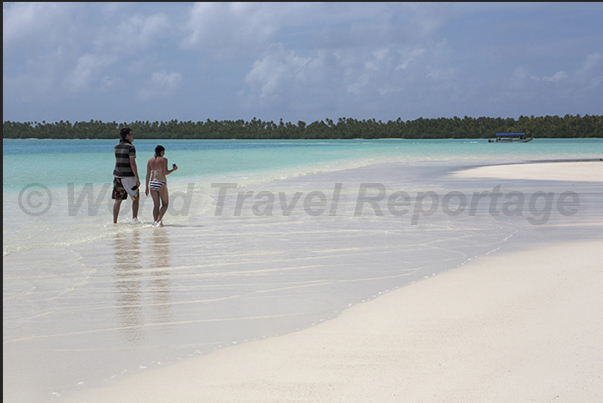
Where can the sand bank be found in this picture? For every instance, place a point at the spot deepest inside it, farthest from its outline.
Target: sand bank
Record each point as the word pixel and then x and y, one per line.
pixel 566 171
pixel 514 326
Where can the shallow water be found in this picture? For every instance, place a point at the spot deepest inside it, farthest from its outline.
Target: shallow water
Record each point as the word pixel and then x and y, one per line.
pixel 87 302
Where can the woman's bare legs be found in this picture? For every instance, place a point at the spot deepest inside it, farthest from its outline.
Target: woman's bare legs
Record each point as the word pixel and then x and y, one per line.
pixel 158 196
pixel 155 197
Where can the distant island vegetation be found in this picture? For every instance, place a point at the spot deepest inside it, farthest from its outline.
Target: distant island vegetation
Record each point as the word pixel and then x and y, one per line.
pixel 344 128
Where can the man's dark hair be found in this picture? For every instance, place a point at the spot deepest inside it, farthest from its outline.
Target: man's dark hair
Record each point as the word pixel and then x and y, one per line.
pixel 124 132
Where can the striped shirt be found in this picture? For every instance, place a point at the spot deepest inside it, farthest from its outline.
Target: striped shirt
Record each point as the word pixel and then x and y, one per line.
pixel 123 152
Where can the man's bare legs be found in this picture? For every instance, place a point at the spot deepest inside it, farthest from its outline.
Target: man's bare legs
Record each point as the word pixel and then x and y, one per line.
pixel 135 205
pixel 117 206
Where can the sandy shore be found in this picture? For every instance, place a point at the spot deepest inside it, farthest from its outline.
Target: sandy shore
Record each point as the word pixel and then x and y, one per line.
pixel 566 171
pixel 509 327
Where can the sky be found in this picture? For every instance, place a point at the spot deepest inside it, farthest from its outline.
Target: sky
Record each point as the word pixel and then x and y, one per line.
pixel 136 61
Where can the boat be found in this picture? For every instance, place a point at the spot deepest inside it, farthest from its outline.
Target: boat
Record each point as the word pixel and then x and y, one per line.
pixel 510 138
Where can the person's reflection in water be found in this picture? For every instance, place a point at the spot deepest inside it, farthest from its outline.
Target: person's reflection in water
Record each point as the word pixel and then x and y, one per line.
pixel 160 281
pixel 128 283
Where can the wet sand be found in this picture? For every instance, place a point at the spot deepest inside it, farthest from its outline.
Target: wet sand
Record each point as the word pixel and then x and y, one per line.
pixel 521 325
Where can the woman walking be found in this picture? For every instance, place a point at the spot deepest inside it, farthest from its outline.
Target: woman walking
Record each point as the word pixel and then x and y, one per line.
pixel 156 182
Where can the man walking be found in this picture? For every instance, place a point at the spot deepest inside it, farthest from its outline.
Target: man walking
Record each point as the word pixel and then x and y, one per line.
pixel 125 175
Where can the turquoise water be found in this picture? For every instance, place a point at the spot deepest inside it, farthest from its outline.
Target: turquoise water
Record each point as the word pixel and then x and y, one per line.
pixel 73 177
pixel 55 163
pixel 87 302
pixel 69 181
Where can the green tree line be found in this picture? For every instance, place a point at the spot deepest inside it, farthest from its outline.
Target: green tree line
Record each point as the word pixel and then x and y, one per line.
pixel 344 128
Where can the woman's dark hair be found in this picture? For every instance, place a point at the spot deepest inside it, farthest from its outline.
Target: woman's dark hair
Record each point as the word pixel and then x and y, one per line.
pixel 158 150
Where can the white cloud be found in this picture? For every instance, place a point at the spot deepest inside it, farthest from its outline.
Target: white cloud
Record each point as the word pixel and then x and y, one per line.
pixel 224 28
pixel 545 92
pixel 303 58
pixel 78 59
pixel 558 76
pixel 111 8
pixel 39 24
pixel 407 56
pixel 322 25
pixel 590 74
pixel 424 19
pixel 160 85
pixel 377 50
pixel 134 33
pixel 585 78
pixel 39 77
pixel 364 74
pixel 278 70
pixel 88 74
pixel 368 70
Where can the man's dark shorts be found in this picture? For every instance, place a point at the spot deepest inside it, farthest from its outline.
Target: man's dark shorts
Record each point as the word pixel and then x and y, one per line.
pixel 120 193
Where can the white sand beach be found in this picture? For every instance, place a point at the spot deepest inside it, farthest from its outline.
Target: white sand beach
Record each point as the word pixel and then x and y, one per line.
pixel 579 171
pixel 508 327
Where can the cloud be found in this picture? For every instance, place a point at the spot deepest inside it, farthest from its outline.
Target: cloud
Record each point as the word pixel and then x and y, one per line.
pixel 225 28
pixel 112 8
pixel 303 59
pixel 573 91
pixel 407 56
pixel 160 85
pixel 590 74
pixel 367 70
pixel 365 76
pixel 558 76
pixel 88 75
pixel 73 49
pixel 228 29
pixel 585 78
pixel 365 55
pixel 135 33
pixel 272 75
pixel 29 25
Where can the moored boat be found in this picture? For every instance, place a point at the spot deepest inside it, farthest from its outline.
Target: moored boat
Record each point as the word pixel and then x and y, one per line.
pixel 510 138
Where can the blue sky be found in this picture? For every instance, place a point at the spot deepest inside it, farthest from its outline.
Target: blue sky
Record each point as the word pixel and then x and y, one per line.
pixel 300 61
